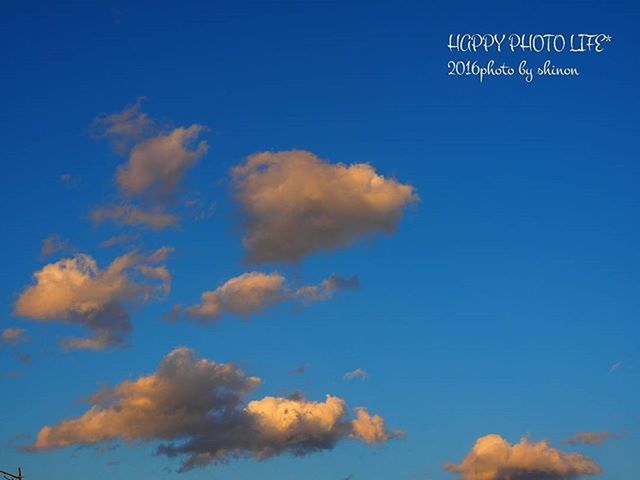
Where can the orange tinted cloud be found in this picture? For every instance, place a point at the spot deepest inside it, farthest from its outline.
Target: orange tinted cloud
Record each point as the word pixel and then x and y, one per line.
pixel 13 335
pixel 157 160
pixel 295 204
pixel 125 128
pixel 197 407
pixel 158 164
pixel 76 290
pixel 126 214
pixel 493 458
pixel 252 292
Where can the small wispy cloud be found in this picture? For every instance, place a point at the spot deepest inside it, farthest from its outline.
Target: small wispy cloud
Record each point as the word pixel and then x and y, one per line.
pixel 13 336
pixel 122 239
pixel 68 180
pixel 54 244
pixel 590 438
pixel 299 370
pixel 357 373
pixel 615 366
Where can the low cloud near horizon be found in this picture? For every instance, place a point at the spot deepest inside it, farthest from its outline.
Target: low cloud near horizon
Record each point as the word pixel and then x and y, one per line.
pixel 493 458
pixel 197 408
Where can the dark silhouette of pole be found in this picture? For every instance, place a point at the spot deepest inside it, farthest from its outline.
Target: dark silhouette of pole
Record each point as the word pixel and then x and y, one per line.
pixel 12 476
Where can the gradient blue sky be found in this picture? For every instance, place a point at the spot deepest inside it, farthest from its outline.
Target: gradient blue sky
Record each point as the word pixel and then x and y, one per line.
pixel 498 306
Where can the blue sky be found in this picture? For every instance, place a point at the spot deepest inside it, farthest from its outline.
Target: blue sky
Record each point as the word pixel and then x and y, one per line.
pixel 498 305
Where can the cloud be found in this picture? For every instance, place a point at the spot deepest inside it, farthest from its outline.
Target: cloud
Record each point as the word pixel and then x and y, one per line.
pixel 75 290
pixel 157 160
pixel 299 370
pixel 371 428
pixel 24 358
pixel 615 367
pixel 296 204
pixel 493 458
pixel 121 239
pixel 156 218
pixel 326 288
pixel 68 180
pixel 125 128
pixel 13 335
pixel 53 244
pixel 197 409
pixel 590 438
pixel 157 164
pixel 357 373
pixel 252 292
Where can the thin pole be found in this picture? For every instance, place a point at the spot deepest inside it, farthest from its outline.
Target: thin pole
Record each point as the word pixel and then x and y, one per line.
pixel 11 476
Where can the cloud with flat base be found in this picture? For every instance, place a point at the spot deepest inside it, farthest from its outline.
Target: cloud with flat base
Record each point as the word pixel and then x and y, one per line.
pixel 197 409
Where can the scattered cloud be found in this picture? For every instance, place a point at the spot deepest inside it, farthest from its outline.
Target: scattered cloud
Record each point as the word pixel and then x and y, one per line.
pixel 157 160
pixel 615 367
pixel 157 165
pixel 75 290
pixel 357 373
pixel 493 458
pixel 296 204
pixel 197 408
pixel 125 128
pixel 122 239
pixel 13 335
pixel 156 218
pixel 54 244
pixel 252 292
pixel 299 370
pixel 590 438
pixel 68 180
pixel 327 288
pixel 24 358
pixel 371 428
pixel 198 208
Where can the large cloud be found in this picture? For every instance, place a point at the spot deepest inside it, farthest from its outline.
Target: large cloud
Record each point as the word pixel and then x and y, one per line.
pixel 76 290
pixel 197 408
pixel 295 204
pixel 493 458
pixel 254 291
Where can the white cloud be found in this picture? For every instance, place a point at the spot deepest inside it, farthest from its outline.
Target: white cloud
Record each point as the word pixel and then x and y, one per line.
pixel 357 373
